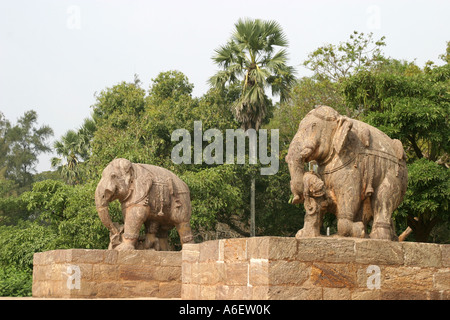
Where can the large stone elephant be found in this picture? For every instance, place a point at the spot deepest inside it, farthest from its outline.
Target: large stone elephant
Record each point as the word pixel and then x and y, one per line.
pixel 363 172
pixel 150 196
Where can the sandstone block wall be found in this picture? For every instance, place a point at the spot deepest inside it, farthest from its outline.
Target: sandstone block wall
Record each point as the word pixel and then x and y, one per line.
pixel 78 273
pixel 314 268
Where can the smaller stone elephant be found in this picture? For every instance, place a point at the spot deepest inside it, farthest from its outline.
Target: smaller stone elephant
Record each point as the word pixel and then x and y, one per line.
pixel 151 196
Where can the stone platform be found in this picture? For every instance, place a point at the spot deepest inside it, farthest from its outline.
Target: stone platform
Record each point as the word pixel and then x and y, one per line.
pixel 79 273
pixel 315 269
pixel 251 268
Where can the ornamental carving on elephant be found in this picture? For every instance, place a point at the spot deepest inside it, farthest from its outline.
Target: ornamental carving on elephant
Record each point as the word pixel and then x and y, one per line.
pixel 151 196
pixel 361 174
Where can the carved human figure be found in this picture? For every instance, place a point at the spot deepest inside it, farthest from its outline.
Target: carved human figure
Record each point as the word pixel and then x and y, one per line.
pixel 363 170
pixel 150 196
pixel 316 203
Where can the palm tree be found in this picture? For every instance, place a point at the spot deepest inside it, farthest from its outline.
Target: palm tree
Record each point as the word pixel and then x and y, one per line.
pixel 74 148
pixel 67 148
pixel 251 58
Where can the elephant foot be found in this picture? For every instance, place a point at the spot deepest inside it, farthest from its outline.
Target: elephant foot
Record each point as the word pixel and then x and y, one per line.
pixel 125 246
pixel 382 232
pixel 348 228
pixel 307 233
pixel 345 227
pixel 358 230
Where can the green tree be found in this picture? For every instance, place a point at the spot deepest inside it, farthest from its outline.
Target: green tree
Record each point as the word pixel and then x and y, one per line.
pixel 114 105
pixel 25 142
pixel 18 244
pixel 4 146
pixel 171 85
pixel 73 149
pixel 305 95
pixel 334 62
pixel 250 58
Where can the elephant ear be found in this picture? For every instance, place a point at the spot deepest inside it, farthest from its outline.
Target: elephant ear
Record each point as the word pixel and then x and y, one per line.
pixel 344 125
pixel 125 168
pixel 143 181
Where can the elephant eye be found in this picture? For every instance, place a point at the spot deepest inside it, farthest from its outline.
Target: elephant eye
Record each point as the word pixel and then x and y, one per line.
pixel 113 175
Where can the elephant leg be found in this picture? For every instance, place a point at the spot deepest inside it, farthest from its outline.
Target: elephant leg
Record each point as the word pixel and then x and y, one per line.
pixel 348 206
pixel 135 218
pixel 163 237
pixel 185 232
pixel 384 203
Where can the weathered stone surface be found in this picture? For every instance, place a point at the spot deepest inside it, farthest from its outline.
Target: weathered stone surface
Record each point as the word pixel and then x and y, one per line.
pixel 422 254
pixel 407 278
pixel 442 279
pixel 313 268
pixel 237 273
pixel 136 257
pixel 233 292
pixel 336 294
pixel 77 273
pixel 234 250
pixel 367 294
pixel 333 275
pixel 209 251
pixel 294 293
pixel 379 252
pixel 288 272
pixel 259 272
pixel 251 268
pixel 326 249
pixel 445 250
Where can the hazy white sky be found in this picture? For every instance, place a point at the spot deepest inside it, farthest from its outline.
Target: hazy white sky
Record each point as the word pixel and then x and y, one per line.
pixel 55 54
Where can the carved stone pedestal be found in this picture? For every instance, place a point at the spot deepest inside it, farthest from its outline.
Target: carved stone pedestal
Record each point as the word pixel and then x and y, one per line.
pixel 315 268
pixel 78 273
pixel 251 268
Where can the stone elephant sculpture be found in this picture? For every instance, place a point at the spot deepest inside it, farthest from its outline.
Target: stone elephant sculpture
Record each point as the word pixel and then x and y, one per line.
pixel 150 196
pixel 363 171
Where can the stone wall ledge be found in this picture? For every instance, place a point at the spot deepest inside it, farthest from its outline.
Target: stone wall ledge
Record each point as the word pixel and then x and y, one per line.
pixel 251 268
pixel 314 268
pixel 81 273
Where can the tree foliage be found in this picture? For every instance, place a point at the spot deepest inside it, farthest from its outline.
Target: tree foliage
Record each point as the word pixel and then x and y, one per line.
pixel 21 144
pixel 334 62
pixel 250 58
pixel 74 150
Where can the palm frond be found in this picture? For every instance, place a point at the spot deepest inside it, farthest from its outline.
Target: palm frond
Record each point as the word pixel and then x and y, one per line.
pixel 251 57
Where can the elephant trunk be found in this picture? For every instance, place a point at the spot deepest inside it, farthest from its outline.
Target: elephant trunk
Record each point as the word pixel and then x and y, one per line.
pixel 101 203
pixel 296 169
pixel 297 183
